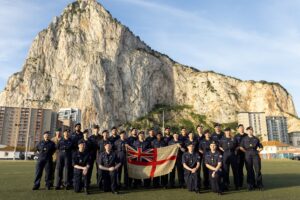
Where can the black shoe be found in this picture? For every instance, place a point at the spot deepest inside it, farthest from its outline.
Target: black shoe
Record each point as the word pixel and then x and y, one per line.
pixel 48 187
pixel 197 191
pixel 57 188
pixel 250 188
pixel 35 187
pixel 220 193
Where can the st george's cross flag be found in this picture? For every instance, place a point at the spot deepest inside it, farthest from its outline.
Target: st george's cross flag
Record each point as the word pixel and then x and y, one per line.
pixel 151 162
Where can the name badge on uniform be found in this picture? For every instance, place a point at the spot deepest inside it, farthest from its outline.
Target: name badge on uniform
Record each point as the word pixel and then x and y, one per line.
pixel 45 149
pixel 250 145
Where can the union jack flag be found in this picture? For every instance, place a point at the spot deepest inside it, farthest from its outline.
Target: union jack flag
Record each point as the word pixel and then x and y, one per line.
pixel 139 155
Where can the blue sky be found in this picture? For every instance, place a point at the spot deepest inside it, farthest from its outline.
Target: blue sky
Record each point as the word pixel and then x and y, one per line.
pixel 248 39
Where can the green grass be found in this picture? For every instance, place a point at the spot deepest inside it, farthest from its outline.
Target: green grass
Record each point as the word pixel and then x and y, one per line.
pixel 281 180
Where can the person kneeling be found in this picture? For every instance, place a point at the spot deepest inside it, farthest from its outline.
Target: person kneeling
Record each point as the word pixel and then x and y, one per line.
pixel 213 161
pixel 81 163
pixel 109 164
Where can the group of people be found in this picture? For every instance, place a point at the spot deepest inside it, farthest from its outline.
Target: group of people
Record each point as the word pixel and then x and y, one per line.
pixel 69 159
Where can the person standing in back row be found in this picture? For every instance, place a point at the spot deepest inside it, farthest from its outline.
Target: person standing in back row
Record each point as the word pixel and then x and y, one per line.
pixel 252 146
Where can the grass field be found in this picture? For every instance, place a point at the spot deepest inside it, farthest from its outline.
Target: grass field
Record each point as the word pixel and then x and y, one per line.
pixel 281 180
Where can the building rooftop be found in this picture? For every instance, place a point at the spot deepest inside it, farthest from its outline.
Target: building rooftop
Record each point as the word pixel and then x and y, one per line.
pixel 274 143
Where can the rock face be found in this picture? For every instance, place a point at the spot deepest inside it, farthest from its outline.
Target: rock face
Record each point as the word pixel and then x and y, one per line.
pixel 87 59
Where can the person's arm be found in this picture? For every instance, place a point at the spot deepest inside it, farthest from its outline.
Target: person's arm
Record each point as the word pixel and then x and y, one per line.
pixel 196 168
pixel 242 146
pixel 210 167
pixel 260 146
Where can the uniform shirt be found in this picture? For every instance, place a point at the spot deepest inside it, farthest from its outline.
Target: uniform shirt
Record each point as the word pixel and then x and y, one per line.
pixel 65 145
pixel 205 145
pixel 89 146
pixel 228 144
pixel 108 159
pixel 213 158
pixel 131 140
pixel 144 145
pixel 113 139
pixel 81 158
pixel 158 144
pixel 94 139
pixel 183 138
pixel 120 145
pixel 168 138
pixel 191 159
pixel 217 137
pixel 45 149
pixel 76 136
pixel 251 143
pixel 200 138
pixel 150 139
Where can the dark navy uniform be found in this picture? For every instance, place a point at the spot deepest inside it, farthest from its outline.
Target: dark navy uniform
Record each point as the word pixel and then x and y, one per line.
pixel 120 146
pixel 136 182
pixel 183 138
pixel 150 139
pixel 178 166
pixel 131 140
pixel 204 146
pixel 64 163
pixel 194 142
pixel 217 137
pixel 213 159
pixel 250 144
pixel 168 138
pixel 82 159
pixel 76 136
pixel 191 179
pixel 45 151
pixel 101 149
pixel 229 159
pixel 94 139
pixel 240 159
pixel 109 178
pixel 113 139
pixel 161 180
pixel 89 147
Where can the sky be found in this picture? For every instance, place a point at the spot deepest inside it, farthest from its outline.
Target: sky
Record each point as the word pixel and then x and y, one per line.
pixel 247 39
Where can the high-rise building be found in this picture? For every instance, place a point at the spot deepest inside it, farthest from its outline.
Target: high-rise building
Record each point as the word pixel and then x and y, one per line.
pixel 257 120
pixel 21 126
pixel 277 129
pixel 294 138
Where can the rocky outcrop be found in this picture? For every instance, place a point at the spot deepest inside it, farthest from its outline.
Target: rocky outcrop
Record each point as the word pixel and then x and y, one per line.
pixel 87 59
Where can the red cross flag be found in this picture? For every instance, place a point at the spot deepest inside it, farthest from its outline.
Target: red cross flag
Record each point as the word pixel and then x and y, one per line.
pixel 152 162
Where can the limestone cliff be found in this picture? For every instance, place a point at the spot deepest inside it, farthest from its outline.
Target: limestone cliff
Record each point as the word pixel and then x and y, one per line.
pixel 87 59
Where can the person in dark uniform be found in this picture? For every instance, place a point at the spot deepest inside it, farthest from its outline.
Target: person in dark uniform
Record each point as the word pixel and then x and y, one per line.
pixel 101 149
pixel 131 139
pixel 252 146
pixel 109 163
pixel 167 136
pixel 114 135
pixel 77 135
pixel 151 137
pixel 178 165
pixel 89 147
pixel 200 133
pixel 191 165
pixel 160 181
pixel 204 148
pixel 184 135
pixel 240 154
pixel 228 146
pixel 218 134
pixel 45 150
pixel 81 163
pixel 213 161
pixel 199 137
pixel 144 145
pixel 120 146
pixel 64 162
pixel 95 139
